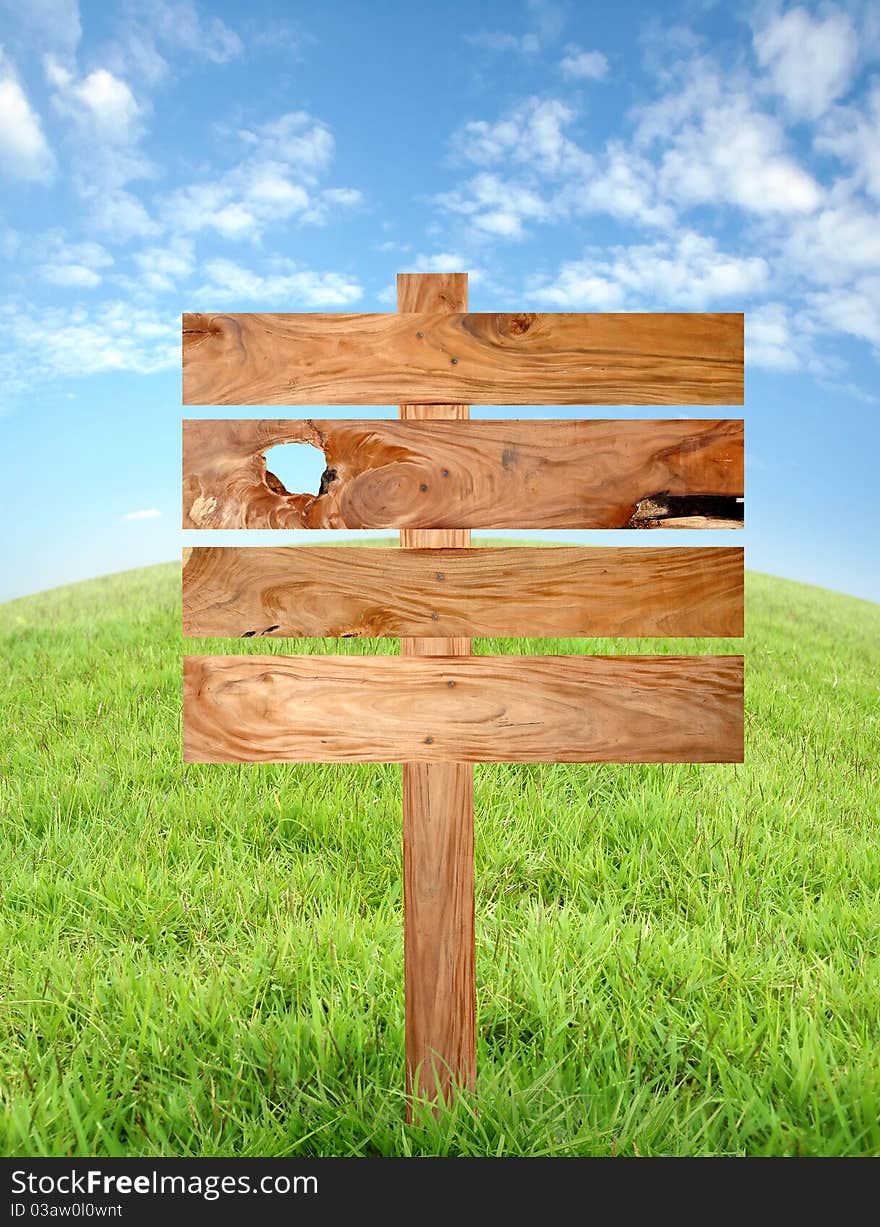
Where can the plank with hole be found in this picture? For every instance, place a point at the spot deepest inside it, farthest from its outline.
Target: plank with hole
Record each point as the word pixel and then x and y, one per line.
pixel 469 474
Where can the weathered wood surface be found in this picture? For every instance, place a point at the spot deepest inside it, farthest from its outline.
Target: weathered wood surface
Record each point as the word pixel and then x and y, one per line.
pixel 622 709
pixel 496 359
pixel 438 823
pixel 279 591
pixel 469 474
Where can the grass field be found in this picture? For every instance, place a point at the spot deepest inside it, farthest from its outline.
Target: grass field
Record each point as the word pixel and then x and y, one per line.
pixel 208 960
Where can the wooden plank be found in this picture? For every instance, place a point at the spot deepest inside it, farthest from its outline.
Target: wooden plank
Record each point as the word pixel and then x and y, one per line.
pixel 469 474
pixel 438 822
pixel 622 709
pixel 518 358
pixel 279 591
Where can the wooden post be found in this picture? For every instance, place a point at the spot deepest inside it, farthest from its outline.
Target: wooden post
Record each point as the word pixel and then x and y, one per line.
pixel 438 827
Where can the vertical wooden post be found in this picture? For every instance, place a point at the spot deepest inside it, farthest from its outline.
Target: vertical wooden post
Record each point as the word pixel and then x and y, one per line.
pixel 438 827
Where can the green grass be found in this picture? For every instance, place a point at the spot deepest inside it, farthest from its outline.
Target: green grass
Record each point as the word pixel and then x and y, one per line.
pixel 208 960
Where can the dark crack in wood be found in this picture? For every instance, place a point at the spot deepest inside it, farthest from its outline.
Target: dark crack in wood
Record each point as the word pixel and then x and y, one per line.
pixel 670 511
pixel 328 476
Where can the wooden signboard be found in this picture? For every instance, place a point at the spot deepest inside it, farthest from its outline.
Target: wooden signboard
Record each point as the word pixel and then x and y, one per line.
pixel 435 475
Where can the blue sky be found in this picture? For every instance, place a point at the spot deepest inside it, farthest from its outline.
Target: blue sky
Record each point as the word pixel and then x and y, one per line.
pixel 169 156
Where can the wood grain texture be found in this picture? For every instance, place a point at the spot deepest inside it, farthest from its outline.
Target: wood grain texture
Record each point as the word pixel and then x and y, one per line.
pixel 567 709
pixel 469 474
pixel 232 592
pixel 518 358
pixel 438 293
pixel 439 959
pixel 438 823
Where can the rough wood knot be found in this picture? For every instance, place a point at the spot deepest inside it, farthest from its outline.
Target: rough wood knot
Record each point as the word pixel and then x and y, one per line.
pixel 519 324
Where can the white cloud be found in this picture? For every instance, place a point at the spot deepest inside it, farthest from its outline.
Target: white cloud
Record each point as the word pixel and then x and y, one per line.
pixel 391 245
pixel 46 343
pixel 771 339
pixel 348 197
pixel 542 163
pixel 152 33
pixel 73 265
pixel 624 185
pixel 278 36
pixel 296 139
pixel 387 296
pixel 689 271
pixel 11 242
pixel 48 24
pixel 710 137
pixel 121 217
pixel 581 285
pixel 277 178
pixel 149 513
pixel 208 206
pixel 854 310
pixel 108 169
pixel 71 275
pixel 702 142
pixel 550 176
pixel 332 199
pixel 100 103
pixel 496 206
pixel 716 148
pixel 230 284
pixel 161 269
pixel 505 42
pixel 24 151
pixel 270 186
pixel 583 65
pixel 107 126
pixel 835 244
pixel 442 262
pixel 179 25
pixel 809 60
pixel 110 103
pixel 853 135
pixel 549 17
pixel 531 135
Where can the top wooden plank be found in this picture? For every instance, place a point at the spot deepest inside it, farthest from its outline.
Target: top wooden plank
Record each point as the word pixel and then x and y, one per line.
pixel 463 358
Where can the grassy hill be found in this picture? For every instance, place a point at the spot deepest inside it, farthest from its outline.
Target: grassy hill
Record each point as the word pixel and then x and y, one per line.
pixel 207 959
